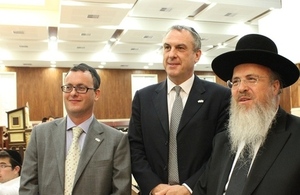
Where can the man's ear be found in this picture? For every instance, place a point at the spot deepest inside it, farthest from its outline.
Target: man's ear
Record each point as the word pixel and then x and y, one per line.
pixel 17 169
pixel 276 87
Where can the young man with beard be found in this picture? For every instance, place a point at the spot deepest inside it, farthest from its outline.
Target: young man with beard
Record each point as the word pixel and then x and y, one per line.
pixel 260 133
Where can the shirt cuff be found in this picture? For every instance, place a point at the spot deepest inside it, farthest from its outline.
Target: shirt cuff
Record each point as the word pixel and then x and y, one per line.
pixel 189 189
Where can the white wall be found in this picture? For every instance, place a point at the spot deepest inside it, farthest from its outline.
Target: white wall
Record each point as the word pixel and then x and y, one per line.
pixel 282 26
pixel 8 95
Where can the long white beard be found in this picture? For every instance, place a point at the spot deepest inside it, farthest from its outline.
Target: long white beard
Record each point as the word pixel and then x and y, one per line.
pixel 251 126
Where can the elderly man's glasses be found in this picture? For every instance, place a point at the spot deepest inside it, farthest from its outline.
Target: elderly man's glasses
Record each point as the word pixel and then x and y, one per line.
pixel 79 89
pixel 3 166
pixel 250 81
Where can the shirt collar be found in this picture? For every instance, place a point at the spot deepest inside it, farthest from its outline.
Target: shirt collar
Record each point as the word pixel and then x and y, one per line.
pixel 185 86
pixel 85 125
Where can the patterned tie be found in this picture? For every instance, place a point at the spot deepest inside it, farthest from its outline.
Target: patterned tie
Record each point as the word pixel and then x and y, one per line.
pixel 175 119
pixel 72 161
pixel 238 177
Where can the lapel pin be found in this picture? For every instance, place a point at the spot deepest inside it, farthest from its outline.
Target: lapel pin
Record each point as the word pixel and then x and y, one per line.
pixel 200 101
pixel 97 139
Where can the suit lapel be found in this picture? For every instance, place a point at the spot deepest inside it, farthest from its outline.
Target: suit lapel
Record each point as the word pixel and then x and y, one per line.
pixel 160 105
pixel 268 153
pixel 59 139
pixel 92 141
pixel 194 102
pixel 227 162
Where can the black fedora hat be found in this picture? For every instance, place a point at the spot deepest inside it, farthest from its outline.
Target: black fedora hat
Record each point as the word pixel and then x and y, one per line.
pixel 258 49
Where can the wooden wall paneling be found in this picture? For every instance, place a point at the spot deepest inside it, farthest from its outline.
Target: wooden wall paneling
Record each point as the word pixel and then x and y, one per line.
pixel 295 93
pixel 40 87
pixel 114 99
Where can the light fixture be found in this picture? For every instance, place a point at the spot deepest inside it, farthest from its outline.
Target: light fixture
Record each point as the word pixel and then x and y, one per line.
pixel 52 33
pixel 112 39
pixel 52 63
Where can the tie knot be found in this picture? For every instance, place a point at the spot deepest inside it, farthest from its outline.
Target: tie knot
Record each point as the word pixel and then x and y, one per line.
pixel 177 89
pixel 76 132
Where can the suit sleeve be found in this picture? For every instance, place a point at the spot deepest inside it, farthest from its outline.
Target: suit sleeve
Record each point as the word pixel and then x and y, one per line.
pixel 221 105
pixel 141 169
pixel 29 173
pixel 122 169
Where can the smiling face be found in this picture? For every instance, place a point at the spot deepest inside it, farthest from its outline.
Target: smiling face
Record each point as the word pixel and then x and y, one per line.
pixel 80 106
pixel 248 94
pixel 179 56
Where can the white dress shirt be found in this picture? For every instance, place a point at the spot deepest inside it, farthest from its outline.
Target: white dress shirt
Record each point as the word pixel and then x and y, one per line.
pixel 10 187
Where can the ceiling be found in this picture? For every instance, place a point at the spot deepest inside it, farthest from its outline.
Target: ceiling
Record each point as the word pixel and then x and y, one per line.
pixel 84 29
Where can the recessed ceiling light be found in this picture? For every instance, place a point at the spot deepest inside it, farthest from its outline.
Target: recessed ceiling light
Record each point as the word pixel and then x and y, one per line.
pixel 53 38
pixel 18 32
pixel 85 34
pixel 165 9
pixel 93 16
pixel 148 37
pixel 113 39
pixel 230 14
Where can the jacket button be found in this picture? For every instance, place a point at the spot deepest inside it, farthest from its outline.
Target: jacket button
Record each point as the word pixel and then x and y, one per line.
pixel 166 143
pixel 165 168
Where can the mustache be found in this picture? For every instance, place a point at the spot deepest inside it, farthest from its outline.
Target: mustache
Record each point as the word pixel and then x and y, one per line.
pixel 244 94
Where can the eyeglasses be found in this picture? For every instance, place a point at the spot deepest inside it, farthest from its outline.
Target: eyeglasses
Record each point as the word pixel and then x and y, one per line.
pixel 3 166
pixel 250 81
pixel 79 89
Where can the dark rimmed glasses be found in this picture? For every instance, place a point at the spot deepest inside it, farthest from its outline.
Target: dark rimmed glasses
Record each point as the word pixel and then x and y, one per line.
pixel 250 81
pixel 79 89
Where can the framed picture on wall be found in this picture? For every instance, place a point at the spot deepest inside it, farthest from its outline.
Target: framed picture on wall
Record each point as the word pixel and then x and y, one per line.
pixel 139 81
pixel 16 137
pixel 16 119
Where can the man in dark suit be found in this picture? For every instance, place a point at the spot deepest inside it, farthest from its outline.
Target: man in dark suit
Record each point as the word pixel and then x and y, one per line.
pixel 260 134
pixel 204 115
pixel 104 161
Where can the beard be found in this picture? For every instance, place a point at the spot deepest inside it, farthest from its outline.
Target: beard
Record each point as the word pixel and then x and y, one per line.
pixel 251 125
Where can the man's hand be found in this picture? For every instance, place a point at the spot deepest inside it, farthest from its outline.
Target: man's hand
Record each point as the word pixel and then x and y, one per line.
pixel 164 189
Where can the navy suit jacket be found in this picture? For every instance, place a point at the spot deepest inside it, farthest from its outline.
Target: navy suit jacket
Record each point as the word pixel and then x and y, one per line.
pixel 149 132
pixel 275 170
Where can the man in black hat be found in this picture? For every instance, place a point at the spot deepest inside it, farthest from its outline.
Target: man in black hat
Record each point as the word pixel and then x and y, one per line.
pixel 10 168
pixel 259 154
